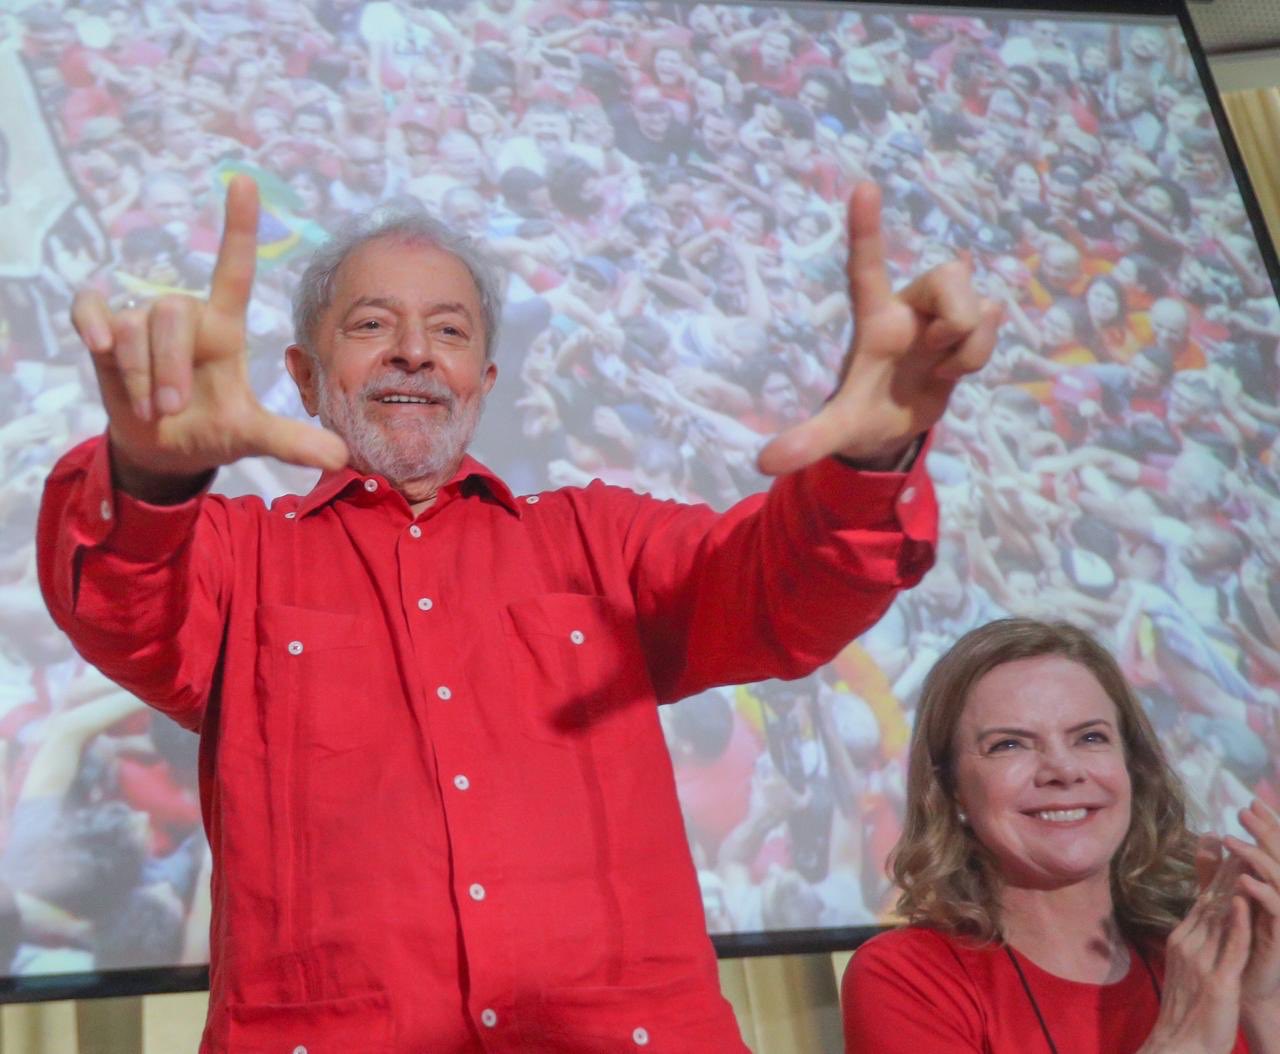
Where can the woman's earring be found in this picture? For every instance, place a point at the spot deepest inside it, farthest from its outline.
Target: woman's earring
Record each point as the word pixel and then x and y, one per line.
pixel 963 817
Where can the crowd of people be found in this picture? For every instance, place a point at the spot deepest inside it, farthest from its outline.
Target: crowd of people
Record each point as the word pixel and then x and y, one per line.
pixel 664 187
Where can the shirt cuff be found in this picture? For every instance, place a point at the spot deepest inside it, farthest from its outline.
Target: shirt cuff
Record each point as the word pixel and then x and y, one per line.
pixel 903 463
pixel 121 523
pixel 854 499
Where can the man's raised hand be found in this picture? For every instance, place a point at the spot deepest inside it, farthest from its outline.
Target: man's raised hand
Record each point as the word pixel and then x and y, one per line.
pixel 174 376
pixel 909 350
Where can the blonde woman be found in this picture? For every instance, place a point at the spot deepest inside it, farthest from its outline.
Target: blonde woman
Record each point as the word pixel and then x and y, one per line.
pixel 1050 880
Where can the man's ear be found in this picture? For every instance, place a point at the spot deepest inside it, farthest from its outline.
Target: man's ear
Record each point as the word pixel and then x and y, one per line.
pixel 490 377
pixel 302 368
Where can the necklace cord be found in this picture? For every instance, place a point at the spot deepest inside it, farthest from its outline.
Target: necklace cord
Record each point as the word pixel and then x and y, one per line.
pixel 1026 987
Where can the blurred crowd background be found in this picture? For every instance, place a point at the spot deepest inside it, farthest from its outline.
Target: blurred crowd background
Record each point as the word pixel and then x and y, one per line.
pixel 664 187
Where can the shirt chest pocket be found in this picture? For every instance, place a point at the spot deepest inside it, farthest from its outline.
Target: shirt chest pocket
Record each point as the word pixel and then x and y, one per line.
pixel 579 669
pixel 318 677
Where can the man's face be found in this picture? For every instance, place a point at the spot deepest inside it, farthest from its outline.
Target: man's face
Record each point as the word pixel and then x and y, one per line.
pixel 779 397
pixel 1170 326
pixel 550 131
pixel 1061 194
pixel 364 168
pixel 399 370
pixel 775 51
pixel 815 95
pixel 169 203
pixel 310 127
pixel 1061 266
pixel 653 119
pixel 461 158
pixel 718 133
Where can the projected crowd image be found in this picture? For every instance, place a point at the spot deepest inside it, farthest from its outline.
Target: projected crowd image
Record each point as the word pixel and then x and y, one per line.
pixel 664 187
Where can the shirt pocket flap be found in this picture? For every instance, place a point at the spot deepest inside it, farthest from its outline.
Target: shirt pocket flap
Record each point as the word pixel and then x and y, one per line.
pixel 331 1026
pixel 299 629
pixel 579 663
pixel 672 1016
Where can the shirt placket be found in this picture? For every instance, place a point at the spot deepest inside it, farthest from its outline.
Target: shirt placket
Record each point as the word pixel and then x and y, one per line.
pixel 470 781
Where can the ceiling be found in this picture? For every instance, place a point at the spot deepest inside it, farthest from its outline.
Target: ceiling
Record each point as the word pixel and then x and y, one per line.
pixel 1237 25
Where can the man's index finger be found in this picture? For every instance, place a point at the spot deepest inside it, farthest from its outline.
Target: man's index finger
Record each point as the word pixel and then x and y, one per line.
pixel 238 252
pixel 869 284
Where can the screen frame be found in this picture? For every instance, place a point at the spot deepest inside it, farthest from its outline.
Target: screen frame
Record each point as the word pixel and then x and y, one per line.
pixel 178 979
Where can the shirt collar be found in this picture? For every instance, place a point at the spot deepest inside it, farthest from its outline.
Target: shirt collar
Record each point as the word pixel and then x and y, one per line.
pixel 471 477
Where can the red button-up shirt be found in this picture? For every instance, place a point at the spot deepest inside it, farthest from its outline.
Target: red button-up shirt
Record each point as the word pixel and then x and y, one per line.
pixel 441 809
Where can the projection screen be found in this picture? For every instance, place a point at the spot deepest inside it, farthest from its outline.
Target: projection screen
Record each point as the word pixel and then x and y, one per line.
pixel 663 185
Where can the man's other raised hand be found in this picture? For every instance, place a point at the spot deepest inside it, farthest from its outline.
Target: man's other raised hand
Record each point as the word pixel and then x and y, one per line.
pixel 910 348
pixel 174 376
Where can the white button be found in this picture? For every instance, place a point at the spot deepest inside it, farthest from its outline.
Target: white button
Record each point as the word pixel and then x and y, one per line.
pixel 290 515
pixel 370 485
pixel 444 693
pixel 488 1017
pixel 532 499
pixel 295 647
pixel 299 1049
pixel 424 603
pixel 415 531
pixel 476 891
pixel 105 509
pixel 461 782
pixel 640 1037
pixel 577 637
pixel 908 495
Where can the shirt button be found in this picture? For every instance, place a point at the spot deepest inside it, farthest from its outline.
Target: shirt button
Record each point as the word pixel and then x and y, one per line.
pixel 424 603
pixel 461 782
pixel 640 1037
pixel 415 531
pixel 295 647
pixel 532 499
pixel 370 485
pixel 577 637
pixel 105 509
pixel 443 693
pixel 299 1049
pixel 290 515
pixel 476 891
pixel 488 1017
pixel 908 495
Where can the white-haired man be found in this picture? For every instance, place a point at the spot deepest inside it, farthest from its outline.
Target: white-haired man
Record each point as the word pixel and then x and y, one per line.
pixel 442 815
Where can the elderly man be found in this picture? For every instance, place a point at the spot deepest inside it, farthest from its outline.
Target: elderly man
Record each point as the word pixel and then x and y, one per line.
pixel 441 811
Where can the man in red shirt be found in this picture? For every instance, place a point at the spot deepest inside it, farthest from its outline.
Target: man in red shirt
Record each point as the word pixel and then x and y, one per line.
pixel 442 814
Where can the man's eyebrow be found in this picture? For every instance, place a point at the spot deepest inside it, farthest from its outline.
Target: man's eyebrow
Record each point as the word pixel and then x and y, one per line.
pixel 444 307
pixel 394 303
pixel 391 303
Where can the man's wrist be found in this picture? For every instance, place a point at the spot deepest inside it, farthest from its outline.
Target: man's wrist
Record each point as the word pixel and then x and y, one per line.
pixel 154 488
pixel 895 461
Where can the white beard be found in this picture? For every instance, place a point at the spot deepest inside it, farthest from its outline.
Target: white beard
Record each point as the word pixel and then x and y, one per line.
pixel 416 448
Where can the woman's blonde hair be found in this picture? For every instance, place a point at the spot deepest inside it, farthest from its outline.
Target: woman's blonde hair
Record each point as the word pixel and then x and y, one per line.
pixel 948 879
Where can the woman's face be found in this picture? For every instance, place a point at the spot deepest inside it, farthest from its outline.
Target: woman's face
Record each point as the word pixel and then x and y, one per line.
pixel 308 193
pixel 1040 772
pixel 1104 308
pixel 1026 183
